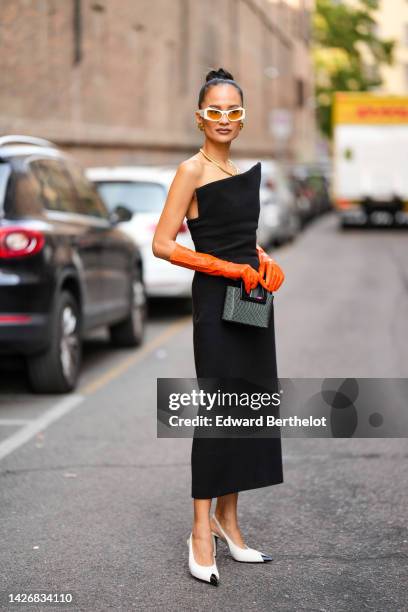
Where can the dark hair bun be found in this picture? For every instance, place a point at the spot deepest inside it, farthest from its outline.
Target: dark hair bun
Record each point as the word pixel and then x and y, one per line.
pixel 217 77
pixel 218 74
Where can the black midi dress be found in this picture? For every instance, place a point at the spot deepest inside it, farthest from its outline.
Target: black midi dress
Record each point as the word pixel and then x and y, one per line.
pixel 228 214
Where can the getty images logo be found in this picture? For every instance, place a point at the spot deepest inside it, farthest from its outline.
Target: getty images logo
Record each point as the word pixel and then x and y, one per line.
pixel 344 417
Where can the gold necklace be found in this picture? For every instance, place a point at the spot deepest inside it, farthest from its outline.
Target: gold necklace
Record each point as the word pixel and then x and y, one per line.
pixel 218 165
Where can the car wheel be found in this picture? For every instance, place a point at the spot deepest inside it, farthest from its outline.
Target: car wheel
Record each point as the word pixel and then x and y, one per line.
pixel 57 369
pixel 130 332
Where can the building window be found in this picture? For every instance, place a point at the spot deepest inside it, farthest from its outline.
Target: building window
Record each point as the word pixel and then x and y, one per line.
pixel 77 30
pixel 300 93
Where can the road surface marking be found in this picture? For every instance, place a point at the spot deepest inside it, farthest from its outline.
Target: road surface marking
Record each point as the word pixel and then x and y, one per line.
pixel 34 426
pixel 131 360
pixel 39 424
pixel 11 422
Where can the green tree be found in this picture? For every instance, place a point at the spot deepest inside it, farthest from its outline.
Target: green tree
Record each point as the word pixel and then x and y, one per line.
pixel 347 52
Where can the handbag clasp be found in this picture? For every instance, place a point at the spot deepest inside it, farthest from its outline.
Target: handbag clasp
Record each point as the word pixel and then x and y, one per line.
pixel 257 294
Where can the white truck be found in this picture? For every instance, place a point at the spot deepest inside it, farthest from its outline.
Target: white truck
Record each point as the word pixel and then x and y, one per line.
pixel 370 159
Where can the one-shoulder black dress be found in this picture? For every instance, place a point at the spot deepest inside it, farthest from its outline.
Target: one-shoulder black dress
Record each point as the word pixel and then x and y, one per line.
pixel 228 213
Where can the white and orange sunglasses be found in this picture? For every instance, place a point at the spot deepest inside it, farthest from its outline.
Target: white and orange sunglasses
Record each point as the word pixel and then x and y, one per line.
pixel 215 114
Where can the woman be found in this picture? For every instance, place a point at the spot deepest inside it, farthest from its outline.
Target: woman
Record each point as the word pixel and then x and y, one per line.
pixel 222 210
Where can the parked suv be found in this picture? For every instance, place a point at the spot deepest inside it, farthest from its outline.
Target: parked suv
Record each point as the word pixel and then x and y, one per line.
pixel 64 266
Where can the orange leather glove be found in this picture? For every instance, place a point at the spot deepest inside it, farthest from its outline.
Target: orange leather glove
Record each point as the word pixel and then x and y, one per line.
pixel 274 275
pixel 203 262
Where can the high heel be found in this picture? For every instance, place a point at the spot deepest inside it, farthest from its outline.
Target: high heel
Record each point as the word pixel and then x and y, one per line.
pixel 207 573
pixel 248 555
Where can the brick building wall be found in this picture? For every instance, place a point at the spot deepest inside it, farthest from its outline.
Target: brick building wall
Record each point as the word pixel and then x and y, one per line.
pixel 117 81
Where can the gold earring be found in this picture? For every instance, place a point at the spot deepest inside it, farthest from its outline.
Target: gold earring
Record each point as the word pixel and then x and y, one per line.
pixel 200 126
pixel 241 125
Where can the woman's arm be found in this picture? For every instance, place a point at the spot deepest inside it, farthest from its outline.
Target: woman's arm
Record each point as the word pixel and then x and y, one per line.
pixel 178 199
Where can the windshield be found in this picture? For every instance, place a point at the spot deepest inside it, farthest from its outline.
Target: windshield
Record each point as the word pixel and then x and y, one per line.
pixel 4 174
pixel 138 196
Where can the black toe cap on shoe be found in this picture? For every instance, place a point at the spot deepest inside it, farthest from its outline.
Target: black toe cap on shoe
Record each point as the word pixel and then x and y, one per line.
pixel 267 558
pixel 214 580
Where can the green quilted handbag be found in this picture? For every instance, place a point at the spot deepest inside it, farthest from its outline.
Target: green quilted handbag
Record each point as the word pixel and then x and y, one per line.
pixel 253 308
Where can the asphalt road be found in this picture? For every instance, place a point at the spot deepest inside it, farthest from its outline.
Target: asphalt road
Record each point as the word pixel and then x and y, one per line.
pixel 93 504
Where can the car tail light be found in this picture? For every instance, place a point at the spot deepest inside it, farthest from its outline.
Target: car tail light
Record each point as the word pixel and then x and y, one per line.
pixel 343 203
pixel 15 319
pixel 20 242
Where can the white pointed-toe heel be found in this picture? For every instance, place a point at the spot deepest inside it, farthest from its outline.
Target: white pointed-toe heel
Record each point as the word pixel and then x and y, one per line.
pixel 207 573
pixel 247 555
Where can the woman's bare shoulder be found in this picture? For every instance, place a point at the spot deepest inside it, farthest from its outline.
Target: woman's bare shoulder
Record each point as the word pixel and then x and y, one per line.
pixel 191 168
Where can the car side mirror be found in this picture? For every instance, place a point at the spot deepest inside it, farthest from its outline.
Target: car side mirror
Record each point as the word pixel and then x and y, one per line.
pixel 120 214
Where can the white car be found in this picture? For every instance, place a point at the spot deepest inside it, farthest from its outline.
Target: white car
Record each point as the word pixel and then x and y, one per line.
pixel 278 219
pixel 143 190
